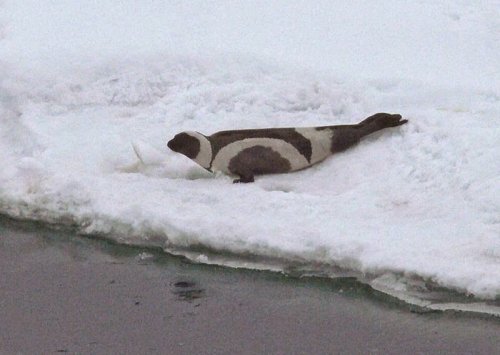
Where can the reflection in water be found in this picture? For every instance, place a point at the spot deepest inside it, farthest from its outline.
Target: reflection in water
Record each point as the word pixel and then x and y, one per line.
pixel 187 291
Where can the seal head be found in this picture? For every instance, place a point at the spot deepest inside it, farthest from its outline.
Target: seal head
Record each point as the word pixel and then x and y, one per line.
pixel 193 145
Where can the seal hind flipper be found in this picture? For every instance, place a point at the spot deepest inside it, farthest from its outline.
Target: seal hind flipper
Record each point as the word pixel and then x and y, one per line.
pixel 380 121
pixel 345 136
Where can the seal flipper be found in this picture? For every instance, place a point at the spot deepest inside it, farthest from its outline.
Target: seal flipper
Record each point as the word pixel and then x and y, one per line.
pixel 244 179
pixel 379 121
pixel 345 136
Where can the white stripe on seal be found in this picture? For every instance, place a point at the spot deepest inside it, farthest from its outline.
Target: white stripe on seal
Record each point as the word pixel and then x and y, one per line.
pixel 204 156
pixel 321 141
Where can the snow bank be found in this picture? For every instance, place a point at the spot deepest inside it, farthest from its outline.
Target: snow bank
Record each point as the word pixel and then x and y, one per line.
pixel 418 200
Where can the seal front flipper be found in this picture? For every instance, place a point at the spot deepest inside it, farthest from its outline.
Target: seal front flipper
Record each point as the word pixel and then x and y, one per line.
pixel 238 168
pixel 244 179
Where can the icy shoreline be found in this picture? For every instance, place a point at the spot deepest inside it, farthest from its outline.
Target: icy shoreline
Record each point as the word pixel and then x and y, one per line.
pixel 419 200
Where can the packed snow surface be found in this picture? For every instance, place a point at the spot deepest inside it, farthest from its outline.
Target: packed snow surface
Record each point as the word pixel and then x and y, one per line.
pixel 86 86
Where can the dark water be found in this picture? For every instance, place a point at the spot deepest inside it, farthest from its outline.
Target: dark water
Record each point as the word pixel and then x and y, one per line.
pixel 60 292
pixel 331 279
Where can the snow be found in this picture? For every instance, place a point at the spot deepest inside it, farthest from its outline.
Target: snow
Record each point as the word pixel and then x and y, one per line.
pixel 84 85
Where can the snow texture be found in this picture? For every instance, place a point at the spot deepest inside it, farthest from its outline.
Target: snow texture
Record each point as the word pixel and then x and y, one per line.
pixel 84 85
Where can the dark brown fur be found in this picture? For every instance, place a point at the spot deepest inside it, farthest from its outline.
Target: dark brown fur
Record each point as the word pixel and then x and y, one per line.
pixel 345 136
pixel 186 144
pixel 257 160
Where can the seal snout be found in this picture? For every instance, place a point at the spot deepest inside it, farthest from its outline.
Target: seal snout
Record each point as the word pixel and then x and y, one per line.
pixel 177 143
pixel 171 144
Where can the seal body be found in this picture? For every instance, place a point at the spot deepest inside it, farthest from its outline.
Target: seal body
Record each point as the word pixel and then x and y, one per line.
pixel 250 152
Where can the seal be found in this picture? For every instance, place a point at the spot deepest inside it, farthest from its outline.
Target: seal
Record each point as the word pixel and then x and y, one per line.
pixel 250 152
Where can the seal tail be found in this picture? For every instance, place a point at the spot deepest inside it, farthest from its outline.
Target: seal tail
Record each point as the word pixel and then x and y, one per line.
pixel 379 121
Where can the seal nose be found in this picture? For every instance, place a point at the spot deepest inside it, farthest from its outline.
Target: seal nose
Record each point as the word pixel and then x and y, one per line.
pixel 171 144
